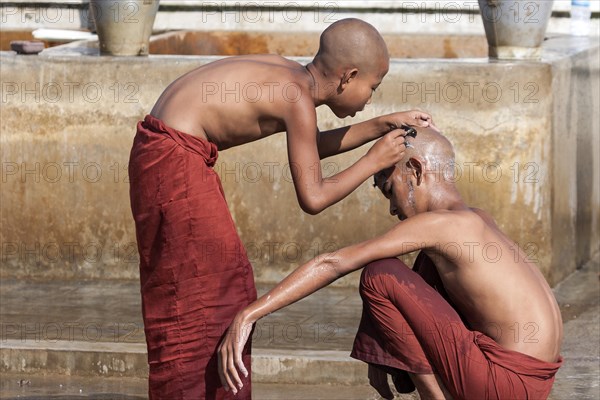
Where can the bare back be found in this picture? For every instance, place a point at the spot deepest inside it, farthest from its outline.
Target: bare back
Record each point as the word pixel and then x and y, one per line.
pixel 238 99
pixel 497 289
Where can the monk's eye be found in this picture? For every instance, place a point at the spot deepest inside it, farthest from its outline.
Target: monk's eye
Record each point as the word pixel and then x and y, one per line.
pixel 387 190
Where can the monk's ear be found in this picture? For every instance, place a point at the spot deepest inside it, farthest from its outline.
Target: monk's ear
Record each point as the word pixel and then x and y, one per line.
pixel 416 169
pixel 347 77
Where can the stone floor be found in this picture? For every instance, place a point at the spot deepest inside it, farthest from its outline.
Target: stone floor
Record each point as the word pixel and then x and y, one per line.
pixel 72 388
pixel 110 312
pixel 579 298
pixel 85 340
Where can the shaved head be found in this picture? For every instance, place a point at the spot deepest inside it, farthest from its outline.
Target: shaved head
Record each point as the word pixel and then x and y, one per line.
pixel 424 180
pixel 432 150
pixel 431 147
pixel 351 43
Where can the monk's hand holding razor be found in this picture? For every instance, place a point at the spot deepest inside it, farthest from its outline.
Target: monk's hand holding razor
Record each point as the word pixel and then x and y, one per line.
pixel 388 150
pixel 230 353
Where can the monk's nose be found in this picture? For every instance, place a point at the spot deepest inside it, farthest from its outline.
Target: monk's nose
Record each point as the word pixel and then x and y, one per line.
pixel 393 209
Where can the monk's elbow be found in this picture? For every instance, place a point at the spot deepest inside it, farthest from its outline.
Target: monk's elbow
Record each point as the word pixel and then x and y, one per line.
pixel 312 206
pixel 336 265
pixel 311 209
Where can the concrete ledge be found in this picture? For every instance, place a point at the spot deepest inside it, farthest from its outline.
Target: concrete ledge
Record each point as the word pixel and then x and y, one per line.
pixel 74 358
pixel 79 358
pixel 53 386
pixel 306 367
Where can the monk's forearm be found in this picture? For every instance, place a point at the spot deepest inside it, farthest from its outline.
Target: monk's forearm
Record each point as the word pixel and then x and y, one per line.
pixel 305 280
pixel 347 138
pixel 333 189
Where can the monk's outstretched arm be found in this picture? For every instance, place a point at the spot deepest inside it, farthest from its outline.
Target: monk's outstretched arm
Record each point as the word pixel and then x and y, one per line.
pixel 413 234
pixel 347 138
pixel 315 192
pixel 315 274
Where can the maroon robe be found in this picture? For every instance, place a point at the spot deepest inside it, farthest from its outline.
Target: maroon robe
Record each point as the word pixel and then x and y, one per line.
pixel 194 272
pixel 410 325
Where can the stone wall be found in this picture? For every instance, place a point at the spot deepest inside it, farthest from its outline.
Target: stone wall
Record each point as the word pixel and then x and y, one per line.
pixel 526 137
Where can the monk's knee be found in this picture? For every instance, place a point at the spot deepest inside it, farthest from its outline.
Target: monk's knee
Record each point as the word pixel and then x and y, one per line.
pixel 376 272
pixel 387 266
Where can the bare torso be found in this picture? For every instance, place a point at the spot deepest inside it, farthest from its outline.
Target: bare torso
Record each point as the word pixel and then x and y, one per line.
pixel 499 291
pixel 236 100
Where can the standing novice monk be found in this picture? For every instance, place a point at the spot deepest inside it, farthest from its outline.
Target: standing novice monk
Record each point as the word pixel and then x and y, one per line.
pixel 194 271
pixel 475 319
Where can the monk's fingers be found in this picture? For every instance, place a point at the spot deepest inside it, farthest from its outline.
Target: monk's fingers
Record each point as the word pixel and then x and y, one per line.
pixel 400 141
pixel 396 134
pixel 423 119
pixel 395 137
pixel 232 372
pixel 240 365
pixel 239 362
pixel 223 373
pixel 238 346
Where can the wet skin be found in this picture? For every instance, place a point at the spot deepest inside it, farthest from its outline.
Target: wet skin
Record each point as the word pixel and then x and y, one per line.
pixel 499 291
pixel 241 99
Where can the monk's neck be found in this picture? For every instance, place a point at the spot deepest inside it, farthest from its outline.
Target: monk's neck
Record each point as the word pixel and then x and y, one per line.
pixel 321 89
pixel 446 199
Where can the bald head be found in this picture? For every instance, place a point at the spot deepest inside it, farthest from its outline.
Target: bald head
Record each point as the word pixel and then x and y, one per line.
pixel 433 153
pixel 431 147
pixel 424 179
pixel 351 43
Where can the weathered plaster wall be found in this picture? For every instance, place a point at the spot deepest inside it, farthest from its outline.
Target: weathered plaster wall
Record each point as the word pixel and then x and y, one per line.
pixel 526 136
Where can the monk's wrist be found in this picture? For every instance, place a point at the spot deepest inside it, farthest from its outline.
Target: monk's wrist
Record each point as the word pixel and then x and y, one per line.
pixel 248 315
pixel 387 124
pixel 244 316
pixel 369 164
pixel 384 124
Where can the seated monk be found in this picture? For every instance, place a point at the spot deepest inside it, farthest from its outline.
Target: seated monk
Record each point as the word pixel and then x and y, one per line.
pixel 474 319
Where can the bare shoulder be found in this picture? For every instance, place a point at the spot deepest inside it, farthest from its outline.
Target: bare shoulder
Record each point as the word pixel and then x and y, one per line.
pixel 271 69
pixel 283 82
pixel 450 224
pixel 485 216
pixel 426 231
pixel 459 217
pixel 270 59
pixel 278 72
pixel 444 225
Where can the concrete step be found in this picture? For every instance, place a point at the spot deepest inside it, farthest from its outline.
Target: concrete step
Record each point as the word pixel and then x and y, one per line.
pixel 92 332
pixel 128 360
pixel 45 387
pixel 95 329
